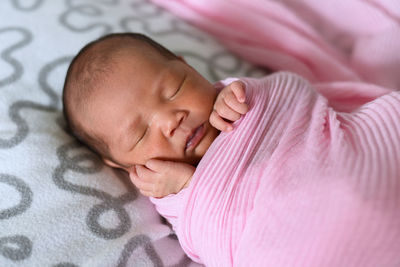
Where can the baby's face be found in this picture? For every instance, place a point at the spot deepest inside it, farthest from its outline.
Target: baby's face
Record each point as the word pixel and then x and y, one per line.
pixel 151 107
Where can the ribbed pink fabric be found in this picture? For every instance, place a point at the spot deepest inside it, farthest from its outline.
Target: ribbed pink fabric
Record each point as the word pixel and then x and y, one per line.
pixel 298 183
pixel 322 40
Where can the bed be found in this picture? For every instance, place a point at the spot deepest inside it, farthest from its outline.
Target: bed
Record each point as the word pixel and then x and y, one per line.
pixel 59 205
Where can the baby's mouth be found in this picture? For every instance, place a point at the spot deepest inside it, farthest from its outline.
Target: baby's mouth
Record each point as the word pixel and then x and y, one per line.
pixel 195 138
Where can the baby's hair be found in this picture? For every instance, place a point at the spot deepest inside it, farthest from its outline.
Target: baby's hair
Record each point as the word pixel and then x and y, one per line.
pixel 89 68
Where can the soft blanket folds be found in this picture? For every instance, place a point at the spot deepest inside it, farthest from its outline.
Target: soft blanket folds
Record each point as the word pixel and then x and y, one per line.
pixel 329 40
pixel 301 181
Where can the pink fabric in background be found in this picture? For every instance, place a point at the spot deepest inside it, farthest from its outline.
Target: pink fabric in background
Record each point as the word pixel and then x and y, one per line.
pixel 298 183
pixel 329 40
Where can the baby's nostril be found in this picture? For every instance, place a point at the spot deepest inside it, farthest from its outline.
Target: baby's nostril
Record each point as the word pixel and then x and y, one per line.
pixel 181 119
pixel 172 132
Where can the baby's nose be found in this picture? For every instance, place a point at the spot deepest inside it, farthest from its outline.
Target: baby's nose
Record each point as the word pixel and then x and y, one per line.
pixel 170 121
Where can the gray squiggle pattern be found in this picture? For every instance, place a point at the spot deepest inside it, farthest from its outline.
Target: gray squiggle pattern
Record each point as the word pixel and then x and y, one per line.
pixel 44 84
pixel 84 10
pixel 176 28
pixel 6 54
pixel 8 247
pixel 108 201
pixel 25 194
pixel 16 108
pixel 65 264
pixel 22 125
pixel 18 5
pixel 136 242
pixel 16 247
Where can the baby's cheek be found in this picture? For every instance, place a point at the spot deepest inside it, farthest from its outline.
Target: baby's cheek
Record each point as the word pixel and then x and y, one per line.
pixel 161 149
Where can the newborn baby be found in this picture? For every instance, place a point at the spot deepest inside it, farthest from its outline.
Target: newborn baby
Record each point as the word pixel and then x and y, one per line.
pixel 145 110
pixel 310 176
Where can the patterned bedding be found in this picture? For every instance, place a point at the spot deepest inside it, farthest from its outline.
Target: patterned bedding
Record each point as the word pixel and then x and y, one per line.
pixel 59 205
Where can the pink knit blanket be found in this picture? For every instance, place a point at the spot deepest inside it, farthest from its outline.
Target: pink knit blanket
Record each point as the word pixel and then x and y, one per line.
pixel 322 40
pixel 310 176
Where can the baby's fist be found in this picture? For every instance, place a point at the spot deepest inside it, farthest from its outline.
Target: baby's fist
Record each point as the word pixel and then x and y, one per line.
pixel 229 106
pixel 159 178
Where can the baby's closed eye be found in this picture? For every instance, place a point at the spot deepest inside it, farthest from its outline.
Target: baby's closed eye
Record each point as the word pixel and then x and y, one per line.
pixel 178 89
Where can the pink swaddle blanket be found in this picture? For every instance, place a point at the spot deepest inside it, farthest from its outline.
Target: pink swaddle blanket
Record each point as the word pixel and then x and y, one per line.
pixel 322 40
pixel 309 177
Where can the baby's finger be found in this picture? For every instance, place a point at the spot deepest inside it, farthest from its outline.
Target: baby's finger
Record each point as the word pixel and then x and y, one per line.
pixel 145 174
pixel 141 185
pixel 169 167
pixel 231 101
pixel 226 112
pixel 219 123
pixel 237 88
pixel 158 165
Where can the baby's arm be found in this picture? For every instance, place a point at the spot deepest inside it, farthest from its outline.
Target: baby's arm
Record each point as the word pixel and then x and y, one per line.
pixel 229 106
pixel 159 178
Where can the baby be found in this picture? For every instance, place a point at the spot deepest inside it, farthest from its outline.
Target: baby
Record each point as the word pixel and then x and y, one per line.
pixel 309 177
pixel 143 109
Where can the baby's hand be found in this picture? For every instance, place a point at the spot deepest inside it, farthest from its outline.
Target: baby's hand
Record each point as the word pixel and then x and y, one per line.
pixel 229 106
pixel 159 178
